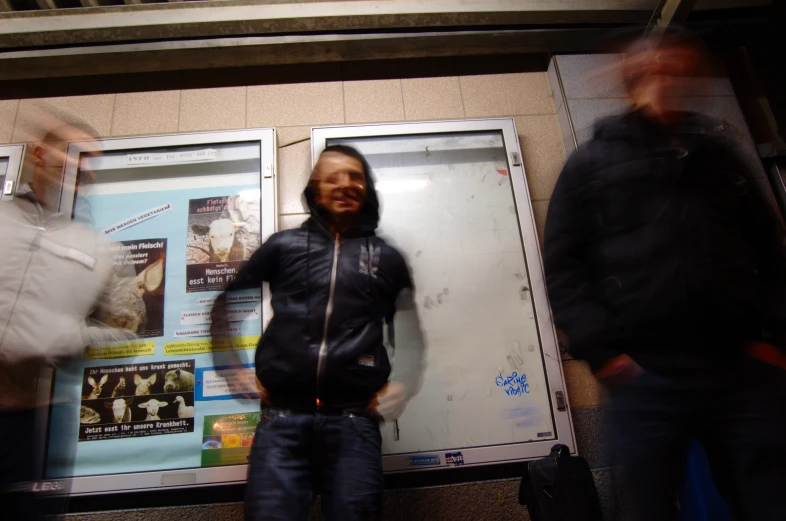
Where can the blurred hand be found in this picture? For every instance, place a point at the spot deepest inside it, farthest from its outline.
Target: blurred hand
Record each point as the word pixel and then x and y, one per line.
pixel 244 383
pixel 246 386
pixel 263 396
pixel 619 371
pixel 389 402
pixel 767 353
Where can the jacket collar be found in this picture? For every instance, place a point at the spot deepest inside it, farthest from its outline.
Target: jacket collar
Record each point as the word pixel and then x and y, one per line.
pixel 317 223
pixel 31 209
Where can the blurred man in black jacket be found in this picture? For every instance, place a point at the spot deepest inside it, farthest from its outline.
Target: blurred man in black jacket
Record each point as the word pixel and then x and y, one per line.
pixel 666 270
pixel 322 367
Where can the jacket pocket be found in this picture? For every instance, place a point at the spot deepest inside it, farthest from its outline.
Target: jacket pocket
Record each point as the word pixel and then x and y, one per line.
pixel 369 370
pixel 366 428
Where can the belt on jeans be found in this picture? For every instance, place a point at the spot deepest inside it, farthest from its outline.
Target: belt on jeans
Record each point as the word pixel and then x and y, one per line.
pixel 350 411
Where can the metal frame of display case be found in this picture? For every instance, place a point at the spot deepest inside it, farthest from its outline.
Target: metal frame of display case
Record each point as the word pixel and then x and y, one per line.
pixel 14 154
pixel 191 477
pixel 550 350
pixel 777 173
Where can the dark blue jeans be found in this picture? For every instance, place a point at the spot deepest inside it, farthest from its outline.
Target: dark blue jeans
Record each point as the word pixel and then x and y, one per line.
pixel 297 455
pixel 736 414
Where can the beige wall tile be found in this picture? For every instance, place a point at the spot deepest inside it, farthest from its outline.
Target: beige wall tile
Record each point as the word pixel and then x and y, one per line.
pixel 7 117
pixel 146 113
pixel 38 116
pixel 213 109
pixel 289 135
pixel 540 209
pixel 294 169
pixel 583 389
pixel 295 104
pixel 516 94
pixel 287 222
pixel 543 151
pixel 373 101
pixel 432 98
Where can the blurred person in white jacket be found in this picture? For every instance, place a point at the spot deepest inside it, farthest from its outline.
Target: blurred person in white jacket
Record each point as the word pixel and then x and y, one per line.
pixel 56 273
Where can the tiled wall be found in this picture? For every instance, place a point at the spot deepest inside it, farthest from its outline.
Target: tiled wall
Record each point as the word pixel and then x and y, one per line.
pixel 293 109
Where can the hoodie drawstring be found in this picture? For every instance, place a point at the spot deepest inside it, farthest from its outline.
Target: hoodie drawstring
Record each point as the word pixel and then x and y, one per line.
pixel 368 265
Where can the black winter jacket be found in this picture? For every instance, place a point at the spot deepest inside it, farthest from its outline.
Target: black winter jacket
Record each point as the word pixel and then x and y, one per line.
pixel 333 298
pixel 660 244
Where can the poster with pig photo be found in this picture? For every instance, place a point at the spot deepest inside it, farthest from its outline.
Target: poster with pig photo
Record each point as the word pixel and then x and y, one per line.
pixel 133 400
pixel 136 296
pixel 223 232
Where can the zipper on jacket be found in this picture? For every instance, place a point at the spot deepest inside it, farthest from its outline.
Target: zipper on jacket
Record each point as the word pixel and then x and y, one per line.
pixel 328 311
pixel 34 247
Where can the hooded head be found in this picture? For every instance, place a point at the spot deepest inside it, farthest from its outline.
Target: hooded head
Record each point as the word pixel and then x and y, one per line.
pixel 340 193
pixel 657 70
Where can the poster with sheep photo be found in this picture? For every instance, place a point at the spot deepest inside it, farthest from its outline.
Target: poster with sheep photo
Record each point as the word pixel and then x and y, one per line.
pixel 134 400
pixel 136 296
pixel 223 232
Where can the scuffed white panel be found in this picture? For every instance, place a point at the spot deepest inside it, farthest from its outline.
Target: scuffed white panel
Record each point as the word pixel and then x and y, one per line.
pixel 450 209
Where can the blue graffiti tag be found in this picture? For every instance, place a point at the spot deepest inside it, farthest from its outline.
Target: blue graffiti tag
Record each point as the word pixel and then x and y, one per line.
pixel 514 385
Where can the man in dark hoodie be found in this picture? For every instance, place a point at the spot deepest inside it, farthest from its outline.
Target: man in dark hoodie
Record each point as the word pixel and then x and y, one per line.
pixel 322 364
pixel 666 270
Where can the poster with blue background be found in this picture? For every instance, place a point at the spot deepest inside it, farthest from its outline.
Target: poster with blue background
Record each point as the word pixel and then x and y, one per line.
pixel 148 228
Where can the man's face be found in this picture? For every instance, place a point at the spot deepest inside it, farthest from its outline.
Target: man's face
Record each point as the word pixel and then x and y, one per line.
pixel 662 76
pixel 340 184
pixel 50 156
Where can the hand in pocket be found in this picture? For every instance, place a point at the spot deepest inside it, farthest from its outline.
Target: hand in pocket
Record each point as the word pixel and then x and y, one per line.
pixel 619 372
pixel 389 402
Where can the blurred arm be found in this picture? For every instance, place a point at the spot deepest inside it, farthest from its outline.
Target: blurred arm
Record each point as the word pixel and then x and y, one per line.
pixel 407 339
pixel 97 333
pixel 577 312
pixel 409 349
pixel 259 268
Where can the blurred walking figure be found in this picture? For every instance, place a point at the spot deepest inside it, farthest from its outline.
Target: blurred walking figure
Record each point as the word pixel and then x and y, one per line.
pixel 666 269
pixel 54 276
pixel 322 365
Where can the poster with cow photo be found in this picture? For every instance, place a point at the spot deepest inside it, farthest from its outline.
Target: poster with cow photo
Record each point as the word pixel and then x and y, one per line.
pixel 223 232
pixel 136 295
pixel 134 400
pixel 144 223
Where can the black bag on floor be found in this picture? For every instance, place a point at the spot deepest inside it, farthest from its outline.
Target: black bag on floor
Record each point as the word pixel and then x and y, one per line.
pixel 560 487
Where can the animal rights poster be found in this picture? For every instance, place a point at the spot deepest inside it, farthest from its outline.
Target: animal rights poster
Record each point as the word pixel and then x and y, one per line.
pixel 133 400
pixel 136 295
pixel 222 233
pixel 149 232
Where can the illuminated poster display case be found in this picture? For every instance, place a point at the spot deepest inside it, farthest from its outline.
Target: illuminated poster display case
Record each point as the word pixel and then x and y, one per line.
pixel 10 169
pixel 179 215
pixel 455 202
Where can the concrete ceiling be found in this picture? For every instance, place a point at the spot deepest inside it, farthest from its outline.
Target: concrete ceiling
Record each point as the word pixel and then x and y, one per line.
pixel 51 42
